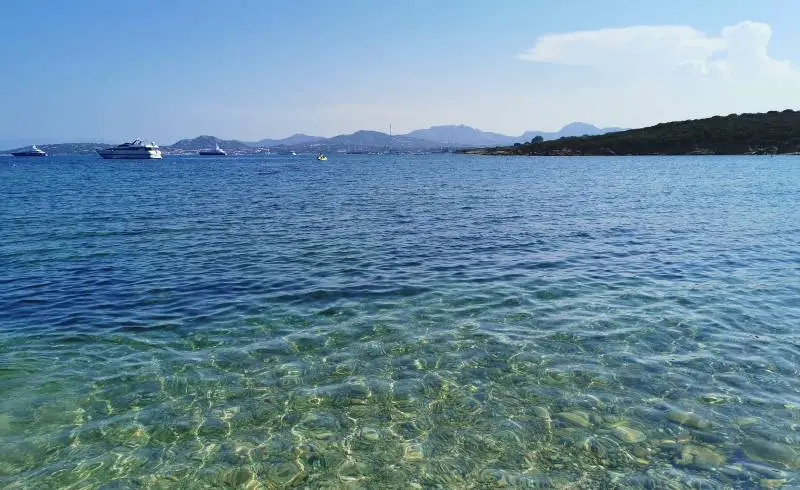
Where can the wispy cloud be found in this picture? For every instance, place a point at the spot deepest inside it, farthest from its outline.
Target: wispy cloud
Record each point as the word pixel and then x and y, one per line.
pixel 674 71
pixel 645 47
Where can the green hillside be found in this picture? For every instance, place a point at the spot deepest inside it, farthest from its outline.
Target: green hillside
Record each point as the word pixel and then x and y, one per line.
pixel 764 133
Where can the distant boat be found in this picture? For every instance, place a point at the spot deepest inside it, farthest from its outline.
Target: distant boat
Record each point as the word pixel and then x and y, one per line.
pixel 135 150
pixel 294 154
pixel 33 152
pixel 321 157
pixel 216 151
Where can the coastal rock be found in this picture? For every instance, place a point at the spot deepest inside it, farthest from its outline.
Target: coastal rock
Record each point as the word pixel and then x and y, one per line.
pixel 700 456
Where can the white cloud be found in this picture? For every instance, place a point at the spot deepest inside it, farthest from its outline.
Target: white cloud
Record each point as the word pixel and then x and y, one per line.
pixel 673 72
pixel 646 46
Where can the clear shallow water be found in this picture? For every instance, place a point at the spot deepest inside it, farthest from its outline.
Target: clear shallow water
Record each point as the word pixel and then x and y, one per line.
pixel 400 322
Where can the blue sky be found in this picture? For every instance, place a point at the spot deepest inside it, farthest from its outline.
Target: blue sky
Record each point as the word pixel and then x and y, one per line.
pixel 250 69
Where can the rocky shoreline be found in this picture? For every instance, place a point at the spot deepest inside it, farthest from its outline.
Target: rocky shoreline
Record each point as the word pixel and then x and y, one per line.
pixel 569 152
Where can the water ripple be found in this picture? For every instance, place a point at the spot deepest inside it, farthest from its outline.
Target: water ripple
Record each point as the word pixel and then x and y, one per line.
pixel 396 322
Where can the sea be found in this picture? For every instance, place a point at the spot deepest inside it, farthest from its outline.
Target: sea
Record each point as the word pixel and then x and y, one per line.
pixel 391 321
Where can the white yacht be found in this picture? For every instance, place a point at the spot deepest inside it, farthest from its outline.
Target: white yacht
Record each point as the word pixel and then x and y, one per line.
pixel 216 151
pixel 33 152
pixel 135 150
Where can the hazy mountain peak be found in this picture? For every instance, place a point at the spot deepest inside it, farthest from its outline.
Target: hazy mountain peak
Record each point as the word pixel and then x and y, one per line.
pixel 295 139
pixel 461 135
pixel 207 141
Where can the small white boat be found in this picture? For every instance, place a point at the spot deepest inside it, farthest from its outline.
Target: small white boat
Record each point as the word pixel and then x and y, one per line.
pixel 321 157
pixel 135 150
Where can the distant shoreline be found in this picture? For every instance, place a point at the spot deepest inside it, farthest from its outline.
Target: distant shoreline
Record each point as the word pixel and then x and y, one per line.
pixel 557 153
pixel 770 133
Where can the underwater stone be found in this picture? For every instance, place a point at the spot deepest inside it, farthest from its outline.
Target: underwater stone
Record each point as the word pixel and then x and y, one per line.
pixel 715 398
pixel 370 434
pixel 581 419
pixel 700 456
pixel 688 419
pixel 772 484
pixel 771 453
pixel 746 421
pixel 708 437
pixel 629 435
pixel 353 471
pixel 541 412
pixel 767 472
pixel 413 452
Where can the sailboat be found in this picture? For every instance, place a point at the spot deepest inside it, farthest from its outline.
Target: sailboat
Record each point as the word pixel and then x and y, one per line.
pixel 389 145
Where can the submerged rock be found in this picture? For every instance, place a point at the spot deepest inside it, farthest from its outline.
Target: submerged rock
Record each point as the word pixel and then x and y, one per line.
pixel 413 452
pixel 746 421
pixel 688 419
pixel 370 434
pixel 771 453
pixel 580 419
pixel 541 412
pixel 629 435
pixel 715 398
pixel 700 456
pixel 773 484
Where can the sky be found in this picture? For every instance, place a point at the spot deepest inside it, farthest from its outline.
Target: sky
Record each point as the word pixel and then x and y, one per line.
pixel 99 70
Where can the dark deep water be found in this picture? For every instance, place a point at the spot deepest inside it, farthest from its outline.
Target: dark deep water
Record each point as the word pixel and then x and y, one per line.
pixel 400 322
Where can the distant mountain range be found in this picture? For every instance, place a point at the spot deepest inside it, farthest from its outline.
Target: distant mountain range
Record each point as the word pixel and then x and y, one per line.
pixel 433 138
pixel 466 136
pixel 295 139
pixel 206 142
pixel 569 131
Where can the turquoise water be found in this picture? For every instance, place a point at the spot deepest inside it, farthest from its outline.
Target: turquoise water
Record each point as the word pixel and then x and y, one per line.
pixel 400 322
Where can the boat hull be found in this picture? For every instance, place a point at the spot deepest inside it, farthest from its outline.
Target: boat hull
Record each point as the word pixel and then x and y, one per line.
pixel 117 155
pixel 28 154
pixel 212 153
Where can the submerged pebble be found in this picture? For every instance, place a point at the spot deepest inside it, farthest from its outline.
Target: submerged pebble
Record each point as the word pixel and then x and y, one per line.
pixel 580 419
pixel 772 484
pixel 700 456
pixel 370 434
pixel 541 412
pixel 773 453
pixel 688 419
pixel 746 421
pixel 629 435
pixel 715 398
pixel 413 452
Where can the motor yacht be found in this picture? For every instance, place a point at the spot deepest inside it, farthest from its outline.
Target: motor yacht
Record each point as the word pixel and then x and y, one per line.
pixel 33 152
pixel 135 150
